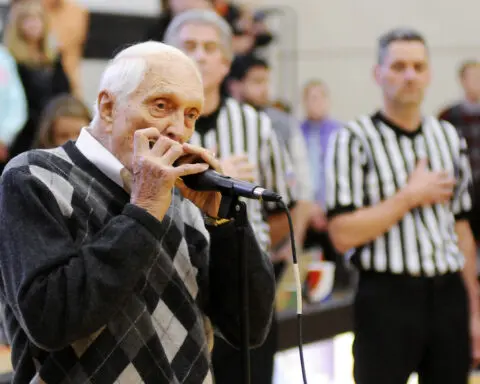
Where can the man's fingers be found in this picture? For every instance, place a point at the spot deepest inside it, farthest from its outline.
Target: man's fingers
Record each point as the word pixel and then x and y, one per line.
pixel 173 153
pixel 162 145
pixel 206 156
pixel 190 169
pixel 142 139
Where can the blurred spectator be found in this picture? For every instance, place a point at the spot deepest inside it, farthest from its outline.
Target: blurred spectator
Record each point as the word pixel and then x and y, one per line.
pixel 39 65
pixel 69 23
pixel 227 10
pixel 249 28
pixel 317 129
pixel 465 116
pixel 170 8
pixel 13 105
pixel 62 119
pixel 250 31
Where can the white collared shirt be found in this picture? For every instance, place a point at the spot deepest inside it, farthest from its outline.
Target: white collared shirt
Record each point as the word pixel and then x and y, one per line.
pixel 100 156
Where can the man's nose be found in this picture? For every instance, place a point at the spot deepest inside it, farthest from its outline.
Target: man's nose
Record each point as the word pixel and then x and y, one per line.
pixel 176 129
pixel 198 54
pixel 410 73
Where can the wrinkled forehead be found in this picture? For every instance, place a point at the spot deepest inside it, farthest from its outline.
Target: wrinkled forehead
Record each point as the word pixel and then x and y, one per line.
pixel 199 32
pixel 175 76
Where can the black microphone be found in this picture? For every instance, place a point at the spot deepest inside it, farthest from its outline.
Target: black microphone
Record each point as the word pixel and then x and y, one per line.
pixel 211 180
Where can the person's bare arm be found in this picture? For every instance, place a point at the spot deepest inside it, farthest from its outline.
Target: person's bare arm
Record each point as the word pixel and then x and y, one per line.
pixel 353 229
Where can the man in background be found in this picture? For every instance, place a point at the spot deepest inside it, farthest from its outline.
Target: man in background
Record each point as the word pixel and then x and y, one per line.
pixel 317 129
pixel 465 116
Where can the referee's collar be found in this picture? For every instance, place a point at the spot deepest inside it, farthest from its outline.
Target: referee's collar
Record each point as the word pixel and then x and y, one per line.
pixel 379 116
pixel 207 122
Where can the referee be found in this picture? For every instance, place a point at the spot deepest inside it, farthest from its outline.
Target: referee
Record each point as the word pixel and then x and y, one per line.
pixel 248 148
pixel 397 195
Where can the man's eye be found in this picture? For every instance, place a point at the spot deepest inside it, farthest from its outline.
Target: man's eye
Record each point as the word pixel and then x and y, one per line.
pixel 162 106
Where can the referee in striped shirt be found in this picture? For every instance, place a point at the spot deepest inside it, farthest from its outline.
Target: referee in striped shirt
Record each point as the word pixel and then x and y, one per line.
pixel 398 197
pixel 248 149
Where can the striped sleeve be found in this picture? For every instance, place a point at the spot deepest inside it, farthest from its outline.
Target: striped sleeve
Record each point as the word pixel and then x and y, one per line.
pixel 276 167
pixel 462 200
pixel 345 163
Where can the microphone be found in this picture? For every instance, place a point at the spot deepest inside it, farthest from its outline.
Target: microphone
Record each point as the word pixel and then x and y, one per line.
pixel 211 180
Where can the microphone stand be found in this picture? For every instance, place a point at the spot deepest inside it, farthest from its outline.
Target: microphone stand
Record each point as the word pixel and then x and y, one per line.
pixel 231 207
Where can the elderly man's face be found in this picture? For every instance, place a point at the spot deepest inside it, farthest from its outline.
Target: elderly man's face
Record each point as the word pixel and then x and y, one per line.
pixel 170 98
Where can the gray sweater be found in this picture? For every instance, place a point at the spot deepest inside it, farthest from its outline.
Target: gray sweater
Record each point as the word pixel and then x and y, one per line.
pixel 96 290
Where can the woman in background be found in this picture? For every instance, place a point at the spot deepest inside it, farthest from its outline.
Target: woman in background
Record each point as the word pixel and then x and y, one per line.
pixel 27 37
pixel 69 22
pixel 62 120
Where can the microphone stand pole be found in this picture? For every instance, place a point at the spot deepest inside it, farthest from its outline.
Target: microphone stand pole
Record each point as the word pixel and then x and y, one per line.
pixel 237 210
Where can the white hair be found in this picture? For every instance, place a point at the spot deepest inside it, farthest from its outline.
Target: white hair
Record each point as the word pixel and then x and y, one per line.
pixel 201 16
pixel 127 69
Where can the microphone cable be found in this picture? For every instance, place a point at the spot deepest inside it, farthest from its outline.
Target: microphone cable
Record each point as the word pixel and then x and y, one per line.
pixel 298 289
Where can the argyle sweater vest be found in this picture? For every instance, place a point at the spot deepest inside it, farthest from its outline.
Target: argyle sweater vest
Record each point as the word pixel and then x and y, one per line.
pixel 92 329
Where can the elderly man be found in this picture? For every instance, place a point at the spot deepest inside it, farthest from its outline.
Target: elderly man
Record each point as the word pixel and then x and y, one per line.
pixel 110 271
pixel 249 150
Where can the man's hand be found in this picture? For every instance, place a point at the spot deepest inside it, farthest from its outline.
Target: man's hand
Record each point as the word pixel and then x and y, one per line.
pixel 427 188
pixel 318 220
pixel 475 339
pixel 3 152
pixel 207 201
pixel 153 173
pixel 239 167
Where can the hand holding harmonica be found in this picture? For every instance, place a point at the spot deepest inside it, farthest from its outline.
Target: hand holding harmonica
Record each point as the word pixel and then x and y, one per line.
pixel 155 173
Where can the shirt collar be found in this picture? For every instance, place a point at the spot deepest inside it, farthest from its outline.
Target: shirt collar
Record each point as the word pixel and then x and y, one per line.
pixel 100 156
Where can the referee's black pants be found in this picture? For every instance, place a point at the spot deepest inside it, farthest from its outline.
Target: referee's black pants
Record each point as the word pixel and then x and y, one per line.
pixel 405 324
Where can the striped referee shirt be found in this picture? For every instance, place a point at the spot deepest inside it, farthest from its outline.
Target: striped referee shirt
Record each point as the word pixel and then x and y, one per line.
pixel 237 129
pixel 370 160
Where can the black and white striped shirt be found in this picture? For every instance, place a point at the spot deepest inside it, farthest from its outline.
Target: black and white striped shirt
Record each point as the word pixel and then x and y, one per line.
pixel 237 129
pixel 369 160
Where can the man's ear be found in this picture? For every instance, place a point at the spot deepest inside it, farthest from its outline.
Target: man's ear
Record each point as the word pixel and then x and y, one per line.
pixel 105 105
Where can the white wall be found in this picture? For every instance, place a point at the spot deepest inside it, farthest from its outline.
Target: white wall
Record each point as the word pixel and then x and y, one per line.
pixel 336 42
